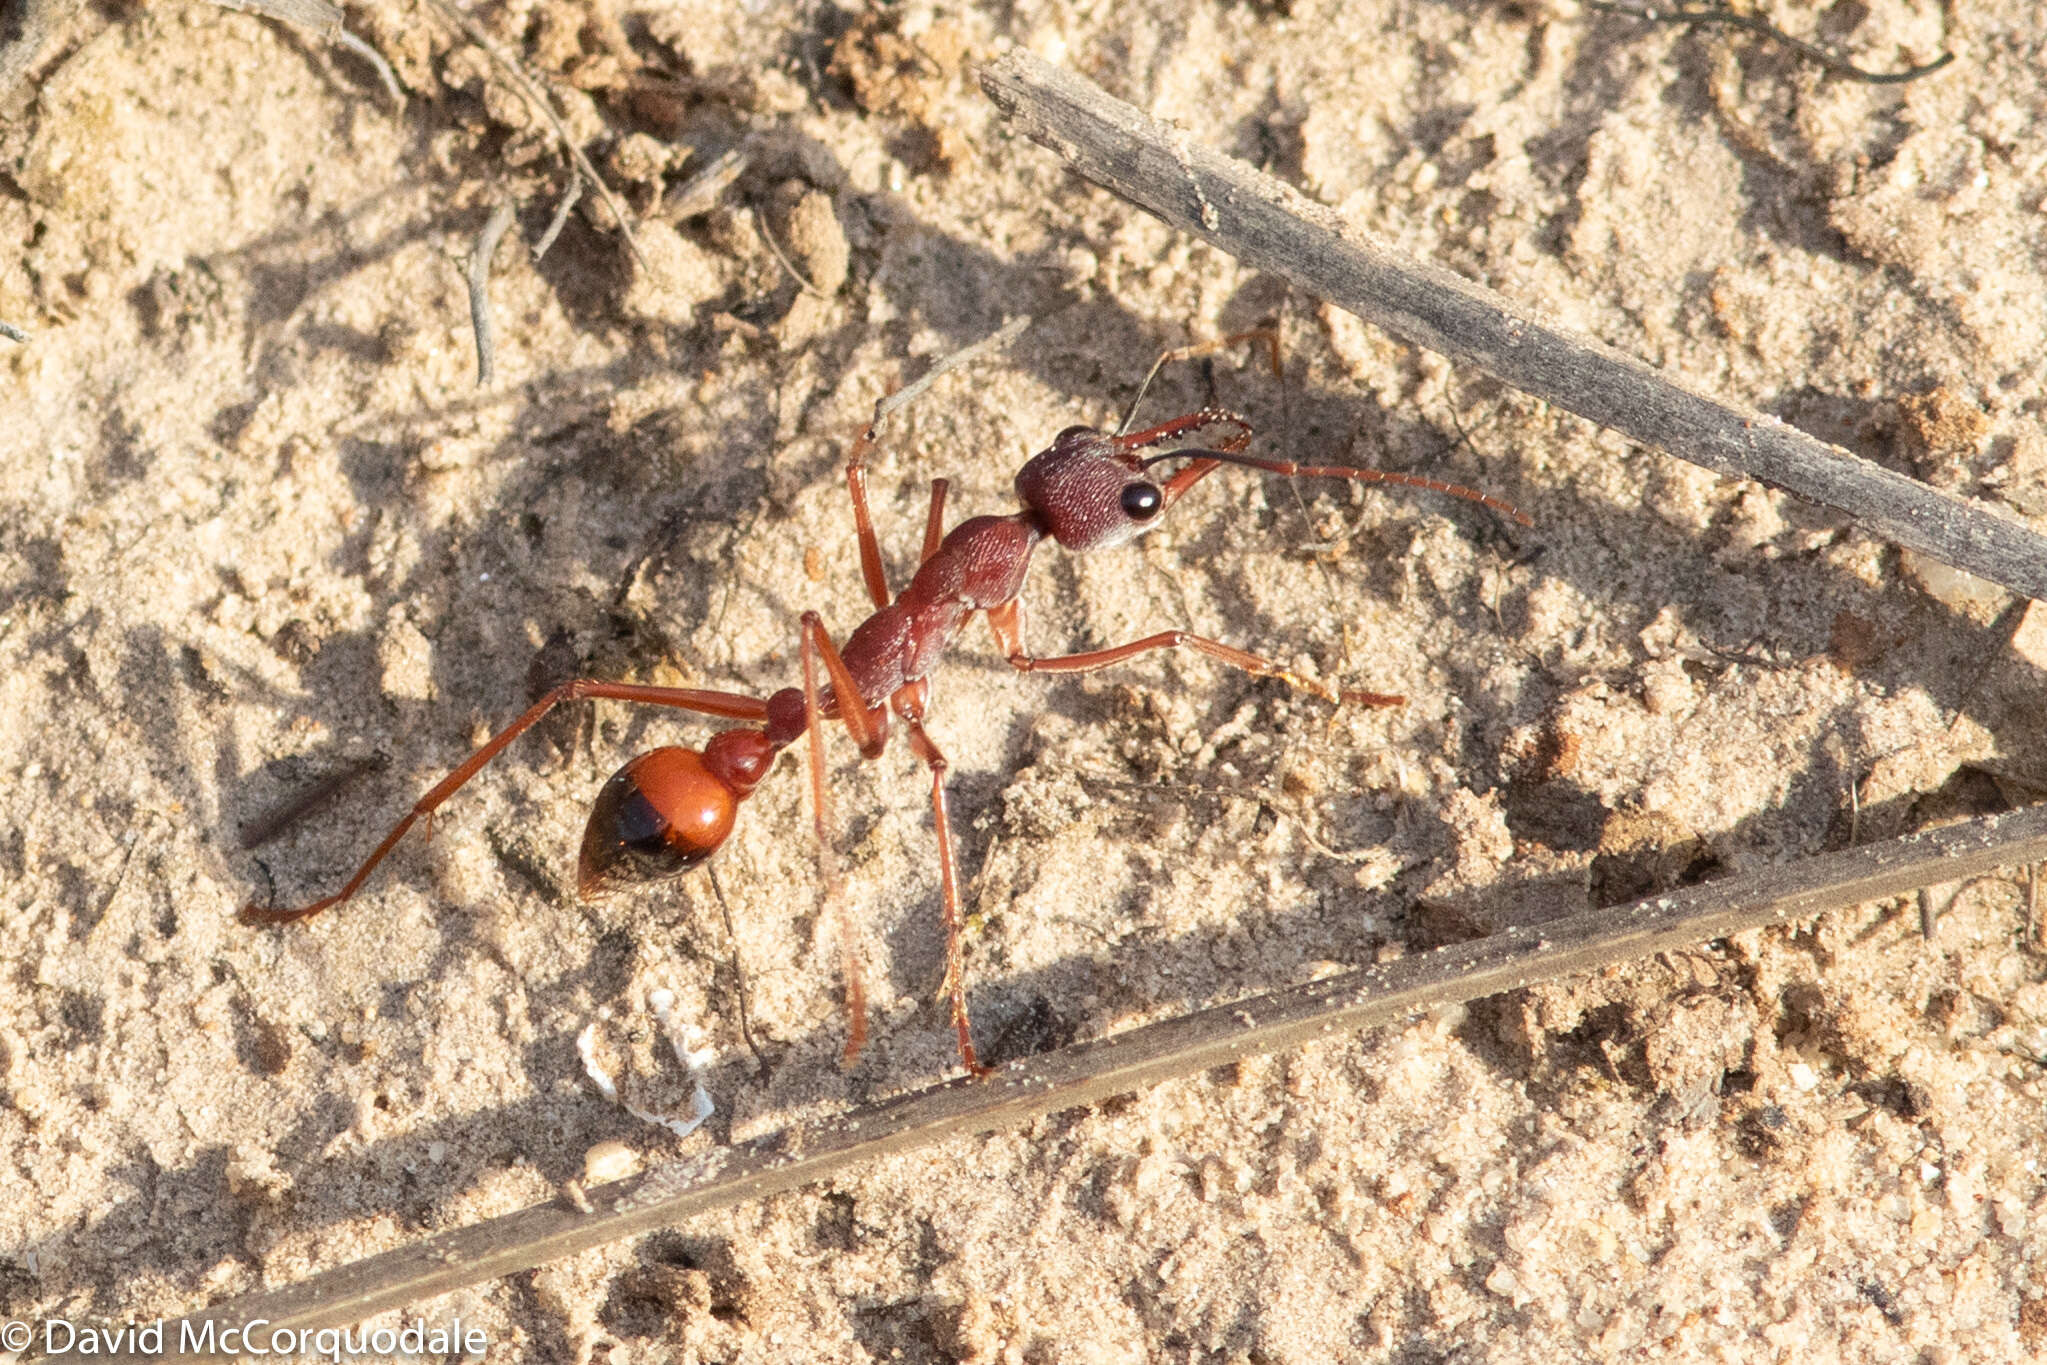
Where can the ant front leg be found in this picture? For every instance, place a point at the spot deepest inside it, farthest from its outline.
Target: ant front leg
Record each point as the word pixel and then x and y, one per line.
pixel 934 521
pixel 1269 335
pixel 871 568
pixel 729 705
pixel 872 571
pixel 1006 621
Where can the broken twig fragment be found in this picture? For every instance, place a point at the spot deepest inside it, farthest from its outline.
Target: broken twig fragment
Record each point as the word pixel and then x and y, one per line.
pixel 376 61
pixel 561 216
pixel 324 20
pixel 479 291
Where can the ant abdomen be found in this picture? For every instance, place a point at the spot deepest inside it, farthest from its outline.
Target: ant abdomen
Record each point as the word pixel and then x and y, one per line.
pixel 667 810
pixel 658 816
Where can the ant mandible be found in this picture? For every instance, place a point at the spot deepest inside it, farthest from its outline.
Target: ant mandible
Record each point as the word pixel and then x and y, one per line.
pixel 668 809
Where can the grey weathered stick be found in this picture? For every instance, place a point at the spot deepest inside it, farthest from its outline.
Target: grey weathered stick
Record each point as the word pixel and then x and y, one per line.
pixel 479 291
pixel 13 333
pixel 1270 226
pixel 1141 1057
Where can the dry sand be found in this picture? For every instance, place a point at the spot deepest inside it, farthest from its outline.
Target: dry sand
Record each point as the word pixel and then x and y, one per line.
pixel 258 524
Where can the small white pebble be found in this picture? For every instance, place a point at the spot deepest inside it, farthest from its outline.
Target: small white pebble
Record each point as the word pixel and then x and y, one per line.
pixel 1803 1076
pixel 608 1161
pixel 586 1048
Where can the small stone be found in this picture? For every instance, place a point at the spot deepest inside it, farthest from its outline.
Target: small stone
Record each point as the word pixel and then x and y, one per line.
pixel 679 277
pixel 817 243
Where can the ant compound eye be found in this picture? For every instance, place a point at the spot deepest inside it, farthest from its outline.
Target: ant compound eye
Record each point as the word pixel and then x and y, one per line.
pixel 1142 501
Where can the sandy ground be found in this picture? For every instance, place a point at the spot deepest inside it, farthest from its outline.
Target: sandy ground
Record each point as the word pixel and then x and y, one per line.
pixel 259 526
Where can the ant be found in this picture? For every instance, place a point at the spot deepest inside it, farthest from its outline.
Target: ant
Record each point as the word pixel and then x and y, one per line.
pixel 669 809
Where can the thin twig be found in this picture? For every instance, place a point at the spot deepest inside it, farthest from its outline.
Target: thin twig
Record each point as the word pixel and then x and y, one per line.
pixel 987 345
pixel 1819 56
pixel 2033 927
pixel 479 291
pixel 324 20
pixel 377 64
pixel 561 216
pixel 13 333
pixel 538 99
pixel 1024 1090
pixel 1272 227
pixel 802 282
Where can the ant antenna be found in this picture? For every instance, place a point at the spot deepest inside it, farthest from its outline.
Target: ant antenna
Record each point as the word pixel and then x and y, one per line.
pixel 1144 388
pixel 1266 333
pixel 1288 469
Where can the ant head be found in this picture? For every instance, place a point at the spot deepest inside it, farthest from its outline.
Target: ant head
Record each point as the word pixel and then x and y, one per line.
pixel 1089 494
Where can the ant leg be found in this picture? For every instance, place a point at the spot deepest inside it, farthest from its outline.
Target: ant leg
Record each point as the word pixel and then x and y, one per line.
pixel 728 705
pixel 1006 621
pixel 871 568
pixel 909 704
pixel 869 728
pixel 934 520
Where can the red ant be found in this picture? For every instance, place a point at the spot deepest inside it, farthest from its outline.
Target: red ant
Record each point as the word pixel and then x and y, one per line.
pixel 668 809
